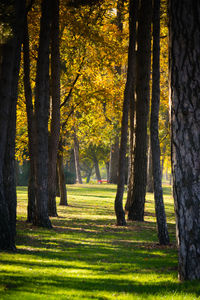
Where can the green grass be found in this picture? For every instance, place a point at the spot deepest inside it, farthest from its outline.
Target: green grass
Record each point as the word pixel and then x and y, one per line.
pixel 85 256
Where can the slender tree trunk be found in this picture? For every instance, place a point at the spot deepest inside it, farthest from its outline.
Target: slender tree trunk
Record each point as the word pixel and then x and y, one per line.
pixel 130 180
pixel 30 120
pixel 41 117
pixel 136 211
pixel 61 179
pixel 55 116
pixel 114 161
pixel 128 94
pixel 149 170
pixel 163 235
pixel 76 156
pixel 185 121
pixel 97 171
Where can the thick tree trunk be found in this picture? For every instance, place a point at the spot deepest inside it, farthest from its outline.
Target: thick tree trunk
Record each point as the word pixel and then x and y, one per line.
pixel 114 161
pixel 30 121
pixel 55 115
pixel 136 211
pixel 41 117
pixel 76 156
pixel 163 235
pixel 9 71
pixel 185 121
pixel 149 188
pixel 61 180
pixel 128 95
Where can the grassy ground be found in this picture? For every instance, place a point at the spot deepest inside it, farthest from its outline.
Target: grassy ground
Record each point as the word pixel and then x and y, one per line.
pixel 85 256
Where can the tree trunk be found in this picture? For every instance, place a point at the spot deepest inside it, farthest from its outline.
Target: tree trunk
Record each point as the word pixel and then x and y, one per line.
pixel 76 156
pixel 149 188
pixel 130 180
pixel 97 171
pixel 30 121
pixel 136 211
pixel 61 180
pixel 41 117
pixel 185 121
pixel 55 114
pixel 9 71
pixel 128 95
pixel 163 235
pixel 114 161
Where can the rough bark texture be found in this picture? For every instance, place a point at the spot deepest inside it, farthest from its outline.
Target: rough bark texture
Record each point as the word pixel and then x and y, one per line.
pixel 41 117
pixel 128 94
pixel 9 71
pixel 114 161
pixel 30 121
pixel 136 211
pixel 149 188
pixel 163 235
pixel 55 113
pixel 130 180
pixel 61 180
pixel 185 121
pixel 76 156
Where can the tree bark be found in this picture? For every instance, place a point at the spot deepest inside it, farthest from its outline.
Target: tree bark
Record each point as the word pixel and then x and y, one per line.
pixel 61 180
pixel 30 121
pixel 185 122
pixel 130 180
pixel 97 171
pixel 9 71
pixel 114 161
pixel 136 211
pixel 76 156
pixel 149 188
pixel 55 114
pixel 41 117
pixel 128 95
pixel 163 235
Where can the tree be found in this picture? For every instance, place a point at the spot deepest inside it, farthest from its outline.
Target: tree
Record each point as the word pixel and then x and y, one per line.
pixel 155 145
pixel 9 72
pixel 114 161
pixel 41 119
pixel 55 110
pixel 136 211
pixel 128 95
pixel 185 122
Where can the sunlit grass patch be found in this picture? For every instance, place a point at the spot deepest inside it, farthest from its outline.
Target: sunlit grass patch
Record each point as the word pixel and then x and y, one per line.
pixel 86 256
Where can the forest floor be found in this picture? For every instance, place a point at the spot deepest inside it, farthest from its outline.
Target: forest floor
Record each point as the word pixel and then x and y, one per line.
pixel 86 256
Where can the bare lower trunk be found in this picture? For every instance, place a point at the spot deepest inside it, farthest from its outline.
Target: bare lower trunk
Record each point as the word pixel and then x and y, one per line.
pixel 149 170
pixel 163 235
pixel 55 113
pixel 61 180
pixel 41 117
pixel 136 211
pixel 30 121
pixel 9 71
pixel 76 156
pixel 185 120
pixel 114 161
pixel 97 171
pixel 128 95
